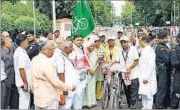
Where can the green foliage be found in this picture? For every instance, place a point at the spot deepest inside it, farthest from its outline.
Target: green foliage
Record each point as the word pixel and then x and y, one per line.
pixel 20 16
pixel 152 12
pixel 64 8
pixel 101 10
pixel 127 13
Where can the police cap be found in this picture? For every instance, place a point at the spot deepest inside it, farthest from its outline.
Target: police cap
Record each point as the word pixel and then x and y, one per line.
pixel 162 34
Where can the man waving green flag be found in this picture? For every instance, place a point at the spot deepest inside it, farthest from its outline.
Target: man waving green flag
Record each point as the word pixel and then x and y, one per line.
pixel 83 22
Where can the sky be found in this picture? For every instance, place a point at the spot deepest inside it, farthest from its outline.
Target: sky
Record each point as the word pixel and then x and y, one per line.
pixel 118 6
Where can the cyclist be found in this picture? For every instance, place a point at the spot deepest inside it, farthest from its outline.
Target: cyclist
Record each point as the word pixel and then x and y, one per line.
pixel 111 50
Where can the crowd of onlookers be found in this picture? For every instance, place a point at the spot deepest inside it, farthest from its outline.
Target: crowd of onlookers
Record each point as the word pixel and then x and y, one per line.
pixel 52 72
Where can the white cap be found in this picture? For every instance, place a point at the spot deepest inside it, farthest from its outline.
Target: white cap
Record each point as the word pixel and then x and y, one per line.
pixel 93 38
pixel 125 38
pixel 96 38
pixel 111 37
pixel 88 44
pixel 101 34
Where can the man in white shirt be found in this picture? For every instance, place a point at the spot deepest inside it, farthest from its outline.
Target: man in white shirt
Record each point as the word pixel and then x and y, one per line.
pixel 128 59
pixel 22 71
pixel 81 65
pixel 67 73
pixel 147 73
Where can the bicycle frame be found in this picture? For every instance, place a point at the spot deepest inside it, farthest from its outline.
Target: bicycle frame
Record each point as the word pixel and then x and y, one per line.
pixel 113 91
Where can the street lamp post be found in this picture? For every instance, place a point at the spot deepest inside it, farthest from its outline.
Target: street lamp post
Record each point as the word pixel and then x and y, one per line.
pixel 34 18
pixel 131 13
pixel 174 3
pixel 54 15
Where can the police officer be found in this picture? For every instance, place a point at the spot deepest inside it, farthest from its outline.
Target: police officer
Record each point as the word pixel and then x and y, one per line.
pixel 33 48
pixel 153 38
pixel 32 51
pixel 175 63
pixel 162 65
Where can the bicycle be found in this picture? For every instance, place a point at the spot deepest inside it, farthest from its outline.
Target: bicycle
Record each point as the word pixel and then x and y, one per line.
pixel 113 93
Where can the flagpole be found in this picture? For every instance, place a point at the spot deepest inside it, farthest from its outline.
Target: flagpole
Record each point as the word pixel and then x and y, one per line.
pixel 54 15
pixel 34 18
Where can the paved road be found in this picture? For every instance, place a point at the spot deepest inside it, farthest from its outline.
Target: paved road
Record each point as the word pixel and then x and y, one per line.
pixel 99 107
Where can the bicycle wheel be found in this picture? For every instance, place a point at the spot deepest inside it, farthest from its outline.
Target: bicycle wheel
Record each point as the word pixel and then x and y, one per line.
pixel 105 95
pixel 114 91
pixel 117 99
pixel 122 96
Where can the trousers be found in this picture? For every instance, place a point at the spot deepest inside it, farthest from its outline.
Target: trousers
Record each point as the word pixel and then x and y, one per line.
pixel 147 102
pixel 175 101
pixel 24 99
pixel 163 92
pixel 99 90
pixel 176 91
pixel 12 97
pixel 3 94
pixel 132 93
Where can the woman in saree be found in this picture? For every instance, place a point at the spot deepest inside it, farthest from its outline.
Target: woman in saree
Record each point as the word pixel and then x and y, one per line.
pixel 89 97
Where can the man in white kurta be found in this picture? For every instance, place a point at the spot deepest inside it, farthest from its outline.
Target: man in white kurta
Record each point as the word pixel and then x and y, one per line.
pixel 80 62
pixel 65 66
pixel 147 77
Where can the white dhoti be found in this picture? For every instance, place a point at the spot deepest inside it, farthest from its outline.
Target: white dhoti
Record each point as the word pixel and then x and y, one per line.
pixel 74 99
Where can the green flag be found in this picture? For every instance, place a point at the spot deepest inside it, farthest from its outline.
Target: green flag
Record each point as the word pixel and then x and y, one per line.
pixel 83 22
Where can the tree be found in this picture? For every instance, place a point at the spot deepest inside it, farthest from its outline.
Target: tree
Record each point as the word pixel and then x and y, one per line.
pixel 128 12
pixel 20 16
pixel 152 12
pixel 101 10
pixel 12 1
pixel 64 8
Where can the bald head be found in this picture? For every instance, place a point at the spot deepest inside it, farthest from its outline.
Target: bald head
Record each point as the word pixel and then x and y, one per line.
pixel 46 44
pixel 5 34
pixel 67 47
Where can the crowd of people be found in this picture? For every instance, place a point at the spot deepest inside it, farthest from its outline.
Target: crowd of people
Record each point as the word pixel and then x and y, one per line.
pixel 43 72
